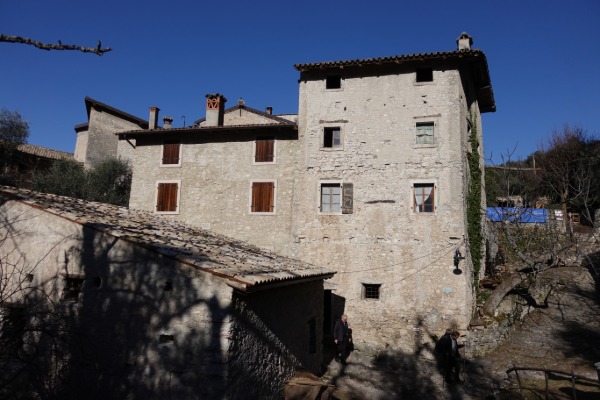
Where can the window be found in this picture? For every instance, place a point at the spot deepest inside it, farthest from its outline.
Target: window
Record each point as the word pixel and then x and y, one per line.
pixel 167 196
pixel 12 329
pixel 312 336
pixel 336 197
pixel 425 75
pixel 425 133
pixel 264 150
pixel 371 291
pixel 424 197
pixel 332 137
pixel 333 82
pixel 72 289
pixel 171 154
pixel 263 197
pixel 331 194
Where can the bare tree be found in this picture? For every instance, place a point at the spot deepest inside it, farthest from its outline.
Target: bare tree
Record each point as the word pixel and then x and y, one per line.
pixel 564 173
pixel 99 50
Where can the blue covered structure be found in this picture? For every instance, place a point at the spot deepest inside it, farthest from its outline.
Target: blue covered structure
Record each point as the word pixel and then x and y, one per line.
pixel 516 214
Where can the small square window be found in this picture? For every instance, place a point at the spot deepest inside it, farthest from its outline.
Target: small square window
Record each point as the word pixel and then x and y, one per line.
pixel 371 291
pixel 264 151
pixel 424 197
pixel 263 197
pixel 332 137
pixel 167 197
pixel 171 153
pixel 425 75
pixel 333 82
pixel 425 133
pixel 72 289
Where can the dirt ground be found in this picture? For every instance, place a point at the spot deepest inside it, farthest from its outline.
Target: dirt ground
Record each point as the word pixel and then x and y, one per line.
pixel 564 336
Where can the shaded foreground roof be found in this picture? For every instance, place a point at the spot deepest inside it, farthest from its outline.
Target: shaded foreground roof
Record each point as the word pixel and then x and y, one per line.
pixel 245 266
pixel 44 152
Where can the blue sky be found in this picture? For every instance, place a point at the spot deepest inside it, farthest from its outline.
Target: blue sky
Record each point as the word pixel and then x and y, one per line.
pixel 543 55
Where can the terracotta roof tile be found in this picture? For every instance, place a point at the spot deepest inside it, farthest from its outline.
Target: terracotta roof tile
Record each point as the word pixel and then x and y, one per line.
pixel 44 152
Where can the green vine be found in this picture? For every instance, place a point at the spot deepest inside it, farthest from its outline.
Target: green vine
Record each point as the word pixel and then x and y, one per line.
pixel 474 223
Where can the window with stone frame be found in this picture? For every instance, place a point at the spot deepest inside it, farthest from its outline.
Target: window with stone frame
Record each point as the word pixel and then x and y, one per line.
pixel 171 153
pixel 424 197
pixel 262 197
pixel 425 133
pixel 371 291
pixel 264 150
pixel 336 197
pixel 167 197
pixel 332 137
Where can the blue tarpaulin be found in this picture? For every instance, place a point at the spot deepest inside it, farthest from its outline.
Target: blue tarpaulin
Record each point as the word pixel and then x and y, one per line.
pixel 516 214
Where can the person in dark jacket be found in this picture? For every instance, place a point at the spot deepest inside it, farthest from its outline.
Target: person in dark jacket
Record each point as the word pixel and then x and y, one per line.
pixel 449 356
pixel 341 337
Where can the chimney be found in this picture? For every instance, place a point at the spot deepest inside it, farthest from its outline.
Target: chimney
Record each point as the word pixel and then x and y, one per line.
pixel 152 121
pixel 215 105
pixel 464 41
pixel 241 102
pixel 269 110
pixel 167 122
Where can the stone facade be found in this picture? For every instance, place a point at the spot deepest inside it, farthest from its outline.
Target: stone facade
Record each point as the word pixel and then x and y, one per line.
pixel 373 133
pixel 163 310
pixel 97 141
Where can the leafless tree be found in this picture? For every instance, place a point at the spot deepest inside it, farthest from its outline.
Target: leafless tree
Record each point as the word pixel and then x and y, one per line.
pixel 562 174
pixel 99 50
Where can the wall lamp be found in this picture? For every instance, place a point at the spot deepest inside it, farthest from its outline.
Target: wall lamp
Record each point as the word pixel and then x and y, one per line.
pixel 457 257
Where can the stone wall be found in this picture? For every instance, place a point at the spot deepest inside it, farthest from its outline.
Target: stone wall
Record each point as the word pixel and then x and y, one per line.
pixel 101 138
pixel 147 326
pixel 384 241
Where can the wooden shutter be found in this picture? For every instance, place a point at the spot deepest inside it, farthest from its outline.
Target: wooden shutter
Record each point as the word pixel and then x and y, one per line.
pixel 347 198
pixel 263 196
pixel 171 153
pixel 265 150
pixel 166 199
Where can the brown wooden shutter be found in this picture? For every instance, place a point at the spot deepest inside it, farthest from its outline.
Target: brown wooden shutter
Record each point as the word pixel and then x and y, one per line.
pixel 265 150
pixel 263 195
pixel 347 198
pixel 171 153
pixel 166 199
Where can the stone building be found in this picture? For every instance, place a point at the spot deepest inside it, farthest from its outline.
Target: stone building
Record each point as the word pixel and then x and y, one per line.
pixel 148 307
pixel 369 179
pixel 96 138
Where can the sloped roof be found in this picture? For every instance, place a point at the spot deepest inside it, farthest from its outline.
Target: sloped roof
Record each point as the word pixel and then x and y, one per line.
pixel 246 267
pixel 44 152
pixel 474 57
pixel 276 123
pixel 89 103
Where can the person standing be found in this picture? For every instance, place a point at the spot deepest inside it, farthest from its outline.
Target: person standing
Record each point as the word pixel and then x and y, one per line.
pixel 341 337
pixel 454 358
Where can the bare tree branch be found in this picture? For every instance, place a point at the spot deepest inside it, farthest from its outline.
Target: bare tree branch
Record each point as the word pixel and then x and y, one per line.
pixel 58 46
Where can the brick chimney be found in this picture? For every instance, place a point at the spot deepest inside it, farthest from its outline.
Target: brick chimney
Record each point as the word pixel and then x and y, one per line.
pixel 269 110
pixel 464 41
pixel 167 122
pixel 153 120
pixel 215 106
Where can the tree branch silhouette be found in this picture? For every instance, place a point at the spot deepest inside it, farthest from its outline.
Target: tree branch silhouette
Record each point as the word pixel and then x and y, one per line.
pixel 58 46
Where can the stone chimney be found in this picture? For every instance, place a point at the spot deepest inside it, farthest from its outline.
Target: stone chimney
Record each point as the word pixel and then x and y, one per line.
pixel 167 122
pixel 153 120
pixel 215 106
pixel 464 41
pixel 269 110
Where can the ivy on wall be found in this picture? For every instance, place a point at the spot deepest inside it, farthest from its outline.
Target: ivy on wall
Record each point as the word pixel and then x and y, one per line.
pixel 474 223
